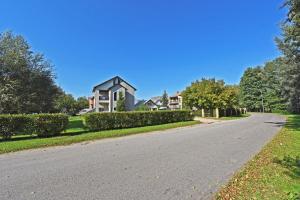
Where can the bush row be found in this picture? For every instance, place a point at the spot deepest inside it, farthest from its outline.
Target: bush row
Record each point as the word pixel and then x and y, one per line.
pixel 44 125
pixel 117 120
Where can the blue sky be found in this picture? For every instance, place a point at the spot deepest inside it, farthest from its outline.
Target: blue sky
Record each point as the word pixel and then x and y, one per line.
pixel 154 45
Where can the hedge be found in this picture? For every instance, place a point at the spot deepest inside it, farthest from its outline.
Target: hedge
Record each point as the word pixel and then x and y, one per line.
pixel 118 120
pixel 46 125
pixel 43 125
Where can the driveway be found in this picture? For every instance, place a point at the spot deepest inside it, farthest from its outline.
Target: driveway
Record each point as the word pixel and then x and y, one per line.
pixel 185 163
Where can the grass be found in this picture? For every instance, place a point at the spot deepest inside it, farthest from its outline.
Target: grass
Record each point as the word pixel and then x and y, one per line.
pixel 235 117
pixel 76 132
pixel 272 174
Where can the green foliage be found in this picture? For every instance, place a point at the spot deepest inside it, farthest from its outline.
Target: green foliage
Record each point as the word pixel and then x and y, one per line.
pixel 210 94
pixel 40 124
pixel 165 99
pixel 121 103
pixel 252 89
pixel 82 103
pixel 289 44
pixel 26 78
pixel 261 87
pixel 78 134
pixel 15 124
pixel 46 125
pixel 117 120
pixel 142 107
pixel 67 104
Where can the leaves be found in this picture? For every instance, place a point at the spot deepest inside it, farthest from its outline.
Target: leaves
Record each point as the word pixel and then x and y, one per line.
pixel 26 78
pixel 209 94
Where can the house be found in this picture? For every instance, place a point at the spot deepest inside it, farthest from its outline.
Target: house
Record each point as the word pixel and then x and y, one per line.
pixel 106 95
pixel 149 104
pixel 157 100
pixel 175 101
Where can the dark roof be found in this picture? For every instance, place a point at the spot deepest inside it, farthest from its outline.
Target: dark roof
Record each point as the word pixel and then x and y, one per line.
pixel 140 102
pixel 113 79
pixel 150 100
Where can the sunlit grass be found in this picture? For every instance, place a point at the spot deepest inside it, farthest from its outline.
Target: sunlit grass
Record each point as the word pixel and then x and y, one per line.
pixel 274 173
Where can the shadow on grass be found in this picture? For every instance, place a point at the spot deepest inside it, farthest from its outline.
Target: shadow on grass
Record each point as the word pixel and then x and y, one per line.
pixel 75 124
pixel 291 164
pixel 278 124
pixel 294 123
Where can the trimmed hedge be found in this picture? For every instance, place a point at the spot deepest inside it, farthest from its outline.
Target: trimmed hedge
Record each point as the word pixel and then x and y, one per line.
pixel 46 125
pixel 118 120
pixel 43 125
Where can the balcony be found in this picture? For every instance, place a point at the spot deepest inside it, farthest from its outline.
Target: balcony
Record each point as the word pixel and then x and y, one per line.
pixel 172 102
pixel 103 96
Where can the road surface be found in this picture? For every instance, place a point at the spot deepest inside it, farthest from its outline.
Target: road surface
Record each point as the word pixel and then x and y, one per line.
pixel 185 163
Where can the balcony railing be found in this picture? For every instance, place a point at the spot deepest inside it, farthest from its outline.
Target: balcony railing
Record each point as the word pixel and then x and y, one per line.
pixel 103 98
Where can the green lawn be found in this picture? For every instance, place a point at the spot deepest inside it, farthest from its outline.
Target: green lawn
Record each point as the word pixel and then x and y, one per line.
pixel 235 117
pixel 77 133
pixel 272 174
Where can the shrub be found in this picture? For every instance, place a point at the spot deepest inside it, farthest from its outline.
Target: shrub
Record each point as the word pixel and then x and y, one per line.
pixel 40 124
pixel 15 124
pixel 46 125
pixel 117 120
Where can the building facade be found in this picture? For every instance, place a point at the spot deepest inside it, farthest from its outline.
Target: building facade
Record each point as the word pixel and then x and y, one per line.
pixel 106 95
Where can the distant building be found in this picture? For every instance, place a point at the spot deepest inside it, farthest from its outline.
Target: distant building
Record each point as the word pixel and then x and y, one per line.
pixel 157 100
pixel 150 104
pixel 175 101
pixel 106 95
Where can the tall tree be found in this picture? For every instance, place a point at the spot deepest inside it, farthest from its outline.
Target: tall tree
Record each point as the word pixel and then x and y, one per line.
pixel 66 103
pixel 273 77
pixel 165 99
pixel 121 103
pixel 26 78
pixel 289 44
pixel 252 89
pixel 82 103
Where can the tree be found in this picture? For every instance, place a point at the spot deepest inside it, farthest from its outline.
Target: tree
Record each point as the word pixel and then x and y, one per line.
pixel 82 103
pixel 165 99
pixel 289 44
pixel 230 97
pixel 26 78
pixel 273 73
pixel 204 94
pixel 252 89
pixel 66 103
pixel 121 103
pixel 142 107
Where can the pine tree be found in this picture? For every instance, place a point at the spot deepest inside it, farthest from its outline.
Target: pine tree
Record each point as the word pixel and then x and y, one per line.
pixel 121 103
pixel 289 44
pixel 165 99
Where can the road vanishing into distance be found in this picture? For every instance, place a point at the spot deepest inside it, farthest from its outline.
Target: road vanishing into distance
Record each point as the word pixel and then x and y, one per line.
pixel 184 163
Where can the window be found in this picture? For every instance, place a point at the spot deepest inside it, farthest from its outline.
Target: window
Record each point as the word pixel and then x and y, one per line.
pixel 115 96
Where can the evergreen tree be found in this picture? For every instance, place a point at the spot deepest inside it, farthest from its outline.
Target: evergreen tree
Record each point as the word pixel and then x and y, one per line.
pixel 289 44
pixel 121 103
pixel 165 99
pixel 252 89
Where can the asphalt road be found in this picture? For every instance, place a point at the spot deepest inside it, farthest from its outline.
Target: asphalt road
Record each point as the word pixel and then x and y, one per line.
pixel 185 163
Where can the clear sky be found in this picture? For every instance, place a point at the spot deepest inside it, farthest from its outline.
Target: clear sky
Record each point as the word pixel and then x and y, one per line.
pixel 153 44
